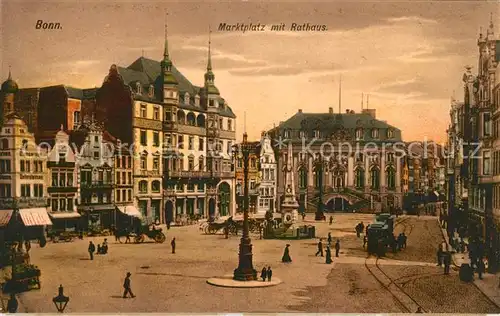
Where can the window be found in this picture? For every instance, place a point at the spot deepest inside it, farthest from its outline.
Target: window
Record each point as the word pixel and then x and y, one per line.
pixel 302 178
pixel 144 140
pixel 129 195
pixel 374 133
pixel 360 178
pixel 168 116
pixel 229 125
pixel 201 163
pixel 143 112
pixel 23 168
pixel 229 146
pixel 143 186
pixel 486 162
pixel 155 186
pixel 191 163
pixel 118 178
pixel 252 163
pixel 359 157
pixel 25 190
pixel 486 124
pixel 190 187
pixel 374 178
pixel 287 134
pixel 5 144
pixel 55 205
pixel 180 141
pixel 118 195
pixel 168 140
pixel 156 113
pixel 62 179
pixel 151 91
pixel 390 133
pixel 221 123
pixel 96 155
pixel 76 119
pixel 359 133
pixel 144 162
pixel 4 166
pixel 156 139
pixel 201 144
pixel 191 143
pixel 62 204
pixel 390 157
pixel 156 163
pixel 201 187
pixel 391 179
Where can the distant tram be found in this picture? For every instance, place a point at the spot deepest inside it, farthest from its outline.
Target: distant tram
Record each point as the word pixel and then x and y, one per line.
pixel 380 233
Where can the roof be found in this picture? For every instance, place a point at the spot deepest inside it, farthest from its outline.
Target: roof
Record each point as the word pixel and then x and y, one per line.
pixel 147 72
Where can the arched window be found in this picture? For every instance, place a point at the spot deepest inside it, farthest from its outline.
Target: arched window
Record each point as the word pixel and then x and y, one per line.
pixel 374 178
pixel 360 178
pixel 359 133
pixel 390 133
pixel 391 178
pixel 155 186
pixel 201 163
pixel 302 178
pixel 5 143
pixel 191 119
pixel 181 117
pixel 375 133
pixel 143 186
pixel 200 120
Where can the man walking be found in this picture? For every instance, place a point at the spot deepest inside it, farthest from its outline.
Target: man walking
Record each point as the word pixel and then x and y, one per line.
pixel 269 274
pixel 337 248
pixel 126 286
pixel 91 250
pixel 440 256
pixel 172 243
pixel 447 262
pixel 320 248
pixel 331 219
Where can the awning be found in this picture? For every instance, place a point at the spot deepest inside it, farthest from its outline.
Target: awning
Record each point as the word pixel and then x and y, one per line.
pixel 63 215
pixel 5 216
pixel 130 210
pixel 35 217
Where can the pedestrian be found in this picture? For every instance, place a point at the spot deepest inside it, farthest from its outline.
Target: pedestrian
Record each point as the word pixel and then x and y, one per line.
pixel 320 249
pixel 27 245
pixel 104 247
pixel 269 274
pixel 172 243
pixel 328 259
pixel 404 240
pixel 447 262
pixel 331 219
pixel 126 286
pixel 358 233
pixel 337 248
pixel 127 234
pixel 329 238
pixel 263 274
pixel 12 304
pixel 99 249
pixel 365 241
pixel 394 244
pixel 91 250
pixel 286 255
pixel 439 255
pixel 400 241
pixel 480 269
pixel 362 226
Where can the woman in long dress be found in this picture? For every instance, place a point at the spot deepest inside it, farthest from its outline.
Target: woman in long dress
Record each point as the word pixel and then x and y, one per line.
pixel 328 255
pixel 286 255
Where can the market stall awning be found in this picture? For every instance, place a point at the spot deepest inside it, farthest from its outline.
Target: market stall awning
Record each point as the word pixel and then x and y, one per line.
pixel 5 216
pixel 35 217
pixel 64 215
pixel 130 210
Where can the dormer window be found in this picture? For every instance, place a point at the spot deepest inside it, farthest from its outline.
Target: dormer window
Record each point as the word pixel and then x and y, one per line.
pixel 359 134
pixel 287 134
pixel 197 100
pixel 301 134
pixel 316 133
pixel 186 98
pixel 138 88
pixel 375 133
pixel 151 91
pixel 390 133
pixel 211 102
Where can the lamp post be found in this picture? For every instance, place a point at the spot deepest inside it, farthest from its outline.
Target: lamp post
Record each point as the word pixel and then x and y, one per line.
pixel 60 301
pixel 319 176
pixel 245 270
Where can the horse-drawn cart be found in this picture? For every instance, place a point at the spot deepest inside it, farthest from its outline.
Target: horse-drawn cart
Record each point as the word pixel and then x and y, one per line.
pixel 152 233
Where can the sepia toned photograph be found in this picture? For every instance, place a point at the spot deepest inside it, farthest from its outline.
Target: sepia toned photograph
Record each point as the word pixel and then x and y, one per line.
pixel 249 157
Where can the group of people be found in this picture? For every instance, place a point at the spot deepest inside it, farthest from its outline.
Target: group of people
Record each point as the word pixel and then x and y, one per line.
pixel 266 274
pixel 359 229
pixel 328 249
pixel 398 243
pixel 444 257
pixel 101 249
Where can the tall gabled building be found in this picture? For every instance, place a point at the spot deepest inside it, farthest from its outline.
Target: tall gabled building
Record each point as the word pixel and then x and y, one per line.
pixel 182 133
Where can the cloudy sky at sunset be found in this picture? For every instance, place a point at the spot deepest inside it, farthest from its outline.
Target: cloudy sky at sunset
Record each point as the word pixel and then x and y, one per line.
pixel 409 56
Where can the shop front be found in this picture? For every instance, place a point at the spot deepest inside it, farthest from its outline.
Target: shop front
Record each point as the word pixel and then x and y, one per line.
pixel 97 218
pixel 66 221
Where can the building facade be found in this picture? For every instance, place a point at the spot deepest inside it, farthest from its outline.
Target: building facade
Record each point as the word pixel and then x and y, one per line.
pixel 254 179
pixel 268 176
pixel 182 132
pixel 23 174
pixel 62 184
pixel 335 166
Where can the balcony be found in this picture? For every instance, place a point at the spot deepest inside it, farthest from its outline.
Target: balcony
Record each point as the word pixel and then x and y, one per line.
pixel 62 189
pixel 190 129
pixel 23 202
pixel 170 126
pixel 187 174
pixel 97 185
pixel 148 173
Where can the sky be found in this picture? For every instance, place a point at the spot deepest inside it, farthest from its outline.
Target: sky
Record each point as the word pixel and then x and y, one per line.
pixel 408 56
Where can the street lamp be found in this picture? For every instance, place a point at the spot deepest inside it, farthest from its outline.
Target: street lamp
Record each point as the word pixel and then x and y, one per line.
pixel 319 177
pixel 60 301
pixel 245 270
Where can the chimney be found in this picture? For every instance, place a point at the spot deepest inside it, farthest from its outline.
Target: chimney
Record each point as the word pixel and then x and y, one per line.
pixel 370 112
pixel 300 110
pixel 330 110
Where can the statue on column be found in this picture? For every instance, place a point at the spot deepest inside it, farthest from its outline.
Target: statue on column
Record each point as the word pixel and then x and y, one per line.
pixel 290 206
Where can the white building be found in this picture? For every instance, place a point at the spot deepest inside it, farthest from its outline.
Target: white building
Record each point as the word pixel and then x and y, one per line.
pixel 268 174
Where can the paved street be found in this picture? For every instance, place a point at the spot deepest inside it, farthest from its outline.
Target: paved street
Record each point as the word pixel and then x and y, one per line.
pixel 165 282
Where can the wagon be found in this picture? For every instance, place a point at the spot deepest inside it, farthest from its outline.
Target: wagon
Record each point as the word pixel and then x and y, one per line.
pixel 155 233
